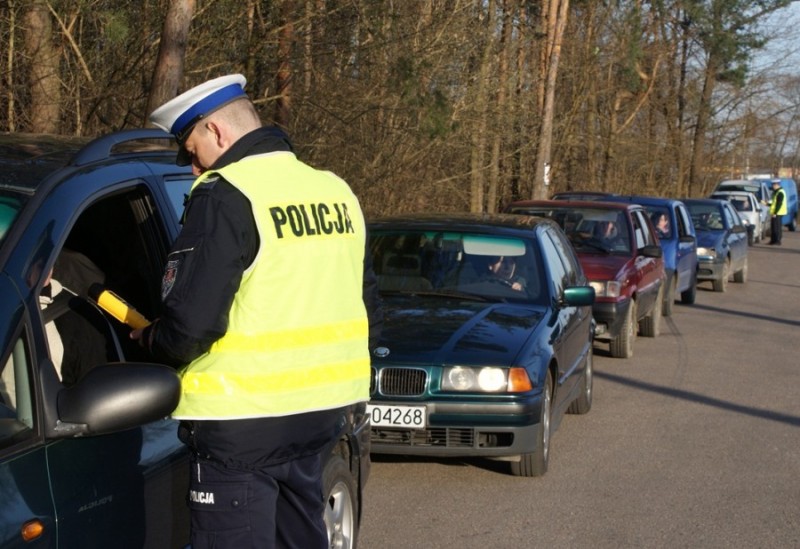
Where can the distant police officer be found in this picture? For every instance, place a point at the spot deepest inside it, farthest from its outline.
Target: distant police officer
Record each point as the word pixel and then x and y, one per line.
pixel 264 309
pixel 777 210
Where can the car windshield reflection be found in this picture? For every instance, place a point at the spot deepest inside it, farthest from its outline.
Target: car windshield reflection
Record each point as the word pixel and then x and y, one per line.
pixel 467 265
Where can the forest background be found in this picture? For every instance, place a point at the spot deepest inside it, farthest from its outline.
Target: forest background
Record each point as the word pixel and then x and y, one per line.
pixel 437 105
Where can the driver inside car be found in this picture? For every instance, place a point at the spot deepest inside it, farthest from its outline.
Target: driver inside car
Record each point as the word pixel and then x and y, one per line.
pixel 504 269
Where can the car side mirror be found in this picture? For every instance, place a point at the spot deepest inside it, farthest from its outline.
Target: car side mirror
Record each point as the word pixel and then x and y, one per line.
pixel 116 397
pixel 577 296
pixel 738 229
pixel 652 250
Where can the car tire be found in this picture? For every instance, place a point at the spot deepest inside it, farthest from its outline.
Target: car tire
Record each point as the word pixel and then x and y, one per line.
pixel 535 463
pixel 740 276
pixel 721 284
pixel 341 503
pixel 650 326
pixel 583 403
pixel 689 295
pixel 622 345
pixel 669 295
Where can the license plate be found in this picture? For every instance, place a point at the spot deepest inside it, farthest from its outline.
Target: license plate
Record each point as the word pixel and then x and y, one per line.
pixel 404 417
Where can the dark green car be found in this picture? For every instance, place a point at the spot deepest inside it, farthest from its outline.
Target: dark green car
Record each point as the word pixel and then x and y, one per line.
pixel 487 337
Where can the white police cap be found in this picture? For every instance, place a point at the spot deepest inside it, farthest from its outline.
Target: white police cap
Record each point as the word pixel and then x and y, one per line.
pixel 179 115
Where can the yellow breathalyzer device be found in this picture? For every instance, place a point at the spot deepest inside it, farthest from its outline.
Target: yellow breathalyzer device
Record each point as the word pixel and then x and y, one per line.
pixel 117 307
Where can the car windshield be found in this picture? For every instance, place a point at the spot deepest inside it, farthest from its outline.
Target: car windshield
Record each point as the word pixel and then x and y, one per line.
pixel 592 230
pixel 706 217
pixel 453 263
pixel 10 206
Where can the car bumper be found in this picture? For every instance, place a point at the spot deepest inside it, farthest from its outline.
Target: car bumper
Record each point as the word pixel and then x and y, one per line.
pixel 609 316
pixel 465 429
pixel 709 269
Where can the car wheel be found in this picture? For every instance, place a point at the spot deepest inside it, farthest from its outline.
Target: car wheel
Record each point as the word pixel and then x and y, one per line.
pixel 341 503
pixel 534 464
pixel 793 225
pixel 650 326
pixel 689 295
pixel 622 345
pixel 740 276
pixel 721 284
pixel 583 403
pixel 669 296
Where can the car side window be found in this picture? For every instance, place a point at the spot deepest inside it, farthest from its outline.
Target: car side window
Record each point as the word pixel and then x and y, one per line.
pixel 731 218
pixel 570 260
pixel 555 264
pixel 16 401
pixel 682 217
pixel 641 230
pixel 178 192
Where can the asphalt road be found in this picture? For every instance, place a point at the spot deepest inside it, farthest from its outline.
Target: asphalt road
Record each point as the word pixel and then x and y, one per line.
pixel 693 442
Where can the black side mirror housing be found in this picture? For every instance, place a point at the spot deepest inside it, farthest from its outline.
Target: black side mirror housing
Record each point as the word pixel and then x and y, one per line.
pixel 651 250
pixel 116 397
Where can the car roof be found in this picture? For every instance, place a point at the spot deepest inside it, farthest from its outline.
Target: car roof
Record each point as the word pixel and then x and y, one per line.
pixel 459 221
pixel 708 201
pixel 647 200
pixel 734 193
pixel 581 195
pixel 27 160
pixel 601 204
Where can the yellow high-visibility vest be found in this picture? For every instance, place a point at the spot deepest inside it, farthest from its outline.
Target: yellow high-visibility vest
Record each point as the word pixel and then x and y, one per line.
pixel 297 330
pixel 783 209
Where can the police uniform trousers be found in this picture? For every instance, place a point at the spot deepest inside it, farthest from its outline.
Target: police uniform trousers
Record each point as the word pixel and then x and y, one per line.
pixel 776 229
pixel 258 482
pixel 277 506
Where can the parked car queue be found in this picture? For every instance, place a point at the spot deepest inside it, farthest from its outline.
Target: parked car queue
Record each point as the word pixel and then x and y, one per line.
pixel 486 328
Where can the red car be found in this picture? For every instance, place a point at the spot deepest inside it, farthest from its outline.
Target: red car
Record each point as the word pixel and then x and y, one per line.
pixel 619 251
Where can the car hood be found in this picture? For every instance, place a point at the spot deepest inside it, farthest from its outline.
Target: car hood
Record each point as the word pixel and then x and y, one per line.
pixel 436 330
pixel 709 239
pixel 602 266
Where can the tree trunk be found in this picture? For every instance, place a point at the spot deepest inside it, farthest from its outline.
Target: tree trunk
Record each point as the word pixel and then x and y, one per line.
pixel 45 89
pixel 477 160
pixel 559 9
pixel 283 79
pixel 703 116
pixel 168 72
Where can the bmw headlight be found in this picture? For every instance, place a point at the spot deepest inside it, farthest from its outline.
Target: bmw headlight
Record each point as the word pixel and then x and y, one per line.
pixel 606 288
pixel 707 252
pixel 489 379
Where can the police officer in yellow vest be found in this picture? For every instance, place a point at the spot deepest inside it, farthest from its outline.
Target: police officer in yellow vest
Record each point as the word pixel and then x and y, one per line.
pixel 777 210
pixel 264 311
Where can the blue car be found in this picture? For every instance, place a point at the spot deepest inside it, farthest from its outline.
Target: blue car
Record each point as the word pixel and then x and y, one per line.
pixel 88 454
pixel 721 241
pixel 678 241
pixel 487 337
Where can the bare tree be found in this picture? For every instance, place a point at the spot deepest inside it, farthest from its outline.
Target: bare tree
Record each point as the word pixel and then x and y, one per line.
pixel 168 70
pixel 45 83
pixel 556 23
